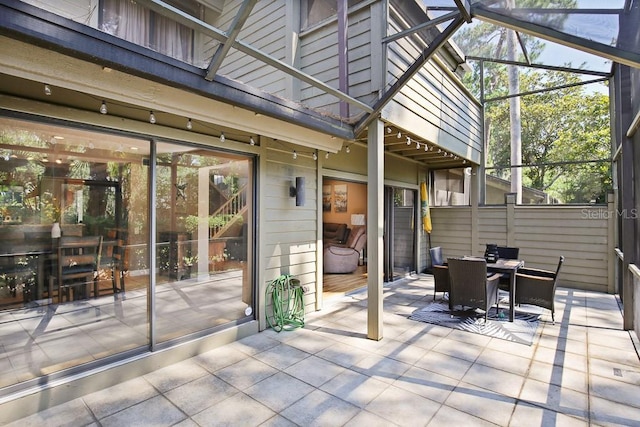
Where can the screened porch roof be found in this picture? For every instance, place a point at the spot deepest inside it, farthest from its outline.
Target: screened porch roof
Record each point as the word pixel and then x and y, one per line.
pixel 581 36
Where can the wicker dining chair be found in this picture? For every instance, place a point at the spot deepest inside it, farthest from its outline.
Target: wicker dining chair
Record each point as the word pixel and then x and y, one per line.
pixel 538 287
pixel 439 270
pixel 506 252
pixel 470 286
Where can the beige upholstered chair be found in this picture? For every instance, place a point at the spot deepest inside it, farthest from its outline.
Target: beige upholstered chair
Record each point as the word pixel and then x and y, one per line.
pixel 470 285
pixel 344 258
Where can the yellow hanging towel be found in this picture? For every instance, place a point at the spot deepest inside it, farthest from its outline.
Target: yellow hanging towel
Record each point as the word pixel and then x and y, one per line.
pixel 424 204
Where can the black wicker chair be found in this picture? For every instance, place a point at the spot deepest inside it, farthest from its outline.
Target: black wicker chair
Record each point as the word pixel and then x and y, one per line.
pixel 506 252
pixel 470 286
pixel 440 279
pixel 439 270
pixel 538 287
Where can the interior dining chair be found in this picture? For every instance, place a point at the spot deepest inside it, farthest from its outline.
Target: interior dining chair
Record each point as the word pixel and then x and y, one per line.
pixel 470 286
pixel 76 266
pixel 111 260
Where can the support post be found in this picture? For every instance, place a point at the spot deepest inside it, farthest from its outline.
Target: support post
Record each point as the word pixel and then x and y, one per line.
pixel 375 227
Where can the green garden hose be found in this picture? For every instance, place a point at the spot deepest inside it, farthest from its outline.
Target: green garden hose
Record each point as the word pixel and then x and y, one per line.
pixel 287 305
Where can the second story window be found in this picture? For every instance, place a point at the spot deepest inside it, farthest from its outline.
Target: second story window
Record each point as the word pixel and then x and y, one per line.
pixel 314 11
pixel 137 24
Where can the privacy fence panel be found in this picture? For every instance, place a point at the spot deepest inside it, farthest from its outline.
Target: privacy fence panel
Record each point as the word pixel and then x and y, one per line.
pixel 582 234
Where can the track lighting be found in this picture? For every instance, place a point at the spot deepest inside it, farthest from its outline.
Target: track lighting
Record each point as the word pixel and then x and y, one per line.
pixel 47 90
pixel 189 124
pixel 222 138
pixel 152 117
pixel 103 108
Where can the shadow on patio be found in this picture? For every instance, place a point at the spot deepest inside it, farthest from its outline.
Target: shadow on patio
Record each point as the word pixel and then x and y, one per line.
pixel 582 370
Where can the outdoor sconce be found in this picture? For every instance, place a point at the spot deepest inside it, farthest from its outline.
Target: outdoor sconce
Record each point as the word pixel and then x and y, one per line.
pixel 298 191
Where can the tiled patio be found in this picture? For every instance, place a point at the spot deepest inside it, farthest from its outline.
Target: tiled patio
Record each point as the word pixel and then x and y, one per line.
pixel 583 370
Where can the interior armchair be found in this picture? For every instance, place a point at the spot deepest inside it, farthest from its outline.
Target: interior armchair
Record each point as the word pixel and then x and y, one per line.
pixel 344 258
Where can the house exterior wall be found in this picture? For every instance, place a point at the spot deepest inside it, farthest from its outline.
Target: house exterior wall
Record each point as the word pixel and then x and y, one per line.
pixel 290 235
pixel 435 99
pixel 319 57
pixel 265 30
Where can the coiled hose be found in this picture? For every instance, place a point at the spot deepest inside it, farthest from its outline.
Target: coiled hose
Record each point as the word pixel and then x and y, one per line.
pixel 287 305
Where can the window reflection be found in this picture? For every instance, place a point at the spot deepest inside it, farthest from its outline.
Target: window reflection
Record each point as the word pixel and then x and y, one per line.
pixel 66 189
pixel 203 211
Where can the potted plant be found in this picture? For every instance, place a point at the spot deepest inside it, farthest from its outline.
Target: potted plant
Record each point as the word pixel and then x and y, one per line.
pixel 189 262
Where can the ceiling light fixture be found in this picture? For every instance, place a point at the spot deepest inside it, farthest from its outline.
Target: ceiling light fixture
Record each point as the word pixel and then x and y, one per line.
pixel 399 135
pixel 408 140
pixel 189 124
pixel 222 137
pixel 252 141
pixel 152 117
pixel 315 156
pixel 295 155
pixel 326 155
pixel 348 149
pixel 103 108
pixel 47 90
pixel 417 145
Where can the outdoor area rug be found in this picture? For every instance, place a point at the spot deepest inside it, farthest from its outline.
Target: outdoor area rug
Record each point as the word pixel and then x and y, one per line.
pixel 521 330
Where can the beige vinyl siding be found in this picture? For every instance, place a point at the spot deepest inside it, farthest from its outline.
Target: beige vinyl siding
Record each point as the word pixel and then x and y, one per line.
pixel 265 31
pixel 319 58
pixel 289 230
pixel 543 234
pixel 453 118
pixel 82 11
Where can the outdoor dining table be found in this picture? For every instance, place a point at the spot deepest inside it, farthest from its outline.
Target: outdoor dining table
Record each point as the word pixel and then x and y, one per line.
pixel 510 267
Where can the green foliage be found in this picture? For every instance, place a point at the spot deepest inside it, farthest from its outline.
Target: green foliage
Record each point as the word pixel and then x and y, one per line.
pixel 214 221
pixel 559 129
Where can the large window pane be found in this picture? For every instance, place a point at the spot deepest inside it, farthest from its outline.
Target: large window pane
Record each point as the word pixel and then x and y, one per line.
pixel 204 211
pixel 89 185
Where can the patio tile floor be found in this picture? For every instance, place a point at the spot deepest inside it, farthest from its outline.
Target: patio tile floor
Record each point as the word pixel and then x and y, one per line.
pixel 582 370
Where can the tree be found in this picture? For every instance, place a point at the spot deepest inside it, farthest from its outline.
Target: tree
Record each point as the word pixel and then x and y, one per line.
pixel 559 129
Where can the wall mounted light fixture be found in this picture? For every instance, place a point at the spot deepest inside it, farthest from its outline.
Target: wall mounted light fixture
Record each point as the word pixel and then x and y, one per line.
pixel 298 191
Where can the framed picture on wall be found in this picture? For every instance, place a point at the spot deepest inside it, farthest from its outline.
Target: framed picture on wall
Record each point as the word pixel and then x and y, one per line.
pixel 326 198
pixel 340 197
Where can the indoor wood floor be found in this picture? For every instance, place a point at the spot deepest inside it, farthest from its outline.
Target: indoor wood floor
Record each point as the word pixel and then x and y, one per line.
pixel 339 284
